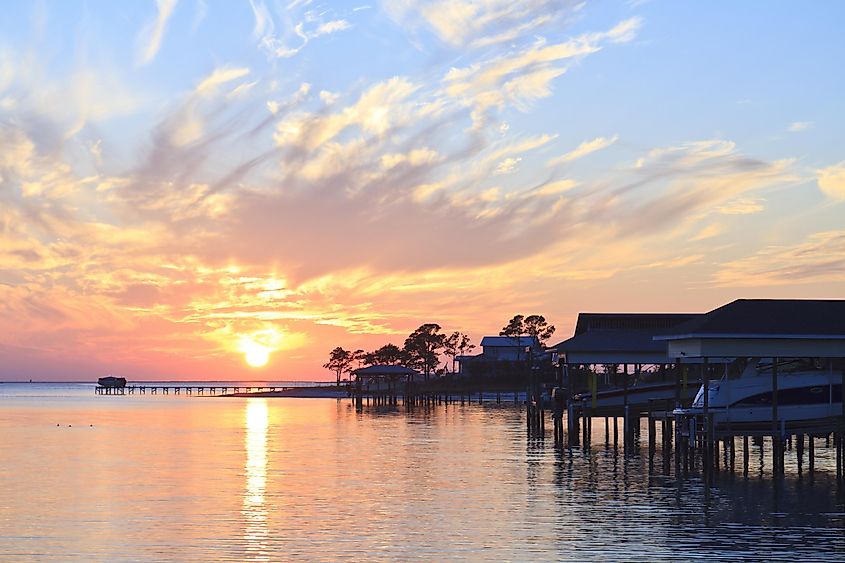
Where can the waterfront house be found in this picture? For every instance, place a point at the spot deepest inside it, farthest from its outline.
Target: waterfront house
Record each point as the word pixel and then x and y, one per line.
pixel 503 350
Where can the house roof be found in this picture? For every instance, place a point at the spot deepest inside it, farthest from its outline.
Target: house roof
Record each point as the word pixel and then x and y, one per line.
pixel 766 318
pixel 654 322
pixel 509 341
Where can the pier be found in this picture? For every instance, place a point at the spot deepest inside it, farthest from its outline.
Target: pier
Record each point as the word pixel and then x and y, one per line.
pixel 202 390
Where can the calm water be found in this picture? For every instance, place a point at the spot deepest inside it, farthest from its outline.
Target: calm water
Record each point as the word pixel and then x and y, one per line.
pixel 109 478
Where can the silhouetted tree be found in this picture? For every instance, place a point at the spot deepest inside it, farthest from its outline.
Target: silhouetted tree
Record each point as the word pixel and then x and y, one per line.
pixel 358 356
pixel 456 344
pixel 389 355
pixel 340 361
pixel 532 325
pixel 422 345
pixel 536 325
pixel 515 329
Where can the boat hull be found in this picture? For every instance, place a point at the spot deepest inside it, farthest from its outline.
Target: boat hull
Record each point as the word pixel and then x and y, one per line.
pixel 802 398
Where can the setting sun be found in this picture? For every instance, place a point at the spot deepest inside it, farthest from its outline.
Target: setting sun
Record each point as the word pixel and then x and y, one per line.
pixel 255 355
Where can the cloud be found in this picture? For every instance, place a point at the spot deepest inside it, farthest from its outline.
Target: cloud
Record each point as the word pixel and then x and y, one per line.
pixel 507 166
pixel 798 126
pixel 526 74
pixel 707 232
pixel 150 36
pixel 311 26
pixel 831 181
pixel 263 20
pixel 743 206
pixel 819 258
pixel 461 23
pixel 584 149
pixel 219 77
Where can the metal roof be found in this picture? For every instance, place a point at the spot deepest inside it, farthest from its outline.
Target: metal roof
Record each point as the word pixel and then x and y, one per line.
pixel 654 322
pixel 509 341
pixel 612 341
pixel 385 370
pixel 602 346
pixel 766 318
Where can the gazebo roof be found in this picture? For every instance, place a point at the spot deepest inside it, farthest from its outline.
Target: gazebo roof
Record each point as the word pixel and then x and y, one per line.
pixel 385 370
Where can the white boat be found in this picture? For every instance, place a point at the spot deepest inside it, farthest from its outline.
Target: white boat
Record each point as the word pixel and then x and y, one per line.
pixel 806 393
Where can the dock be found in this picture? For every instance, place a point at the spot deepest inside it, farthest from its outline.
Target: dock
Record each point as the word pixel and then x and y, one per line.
pixel 202 390
pixel 695 353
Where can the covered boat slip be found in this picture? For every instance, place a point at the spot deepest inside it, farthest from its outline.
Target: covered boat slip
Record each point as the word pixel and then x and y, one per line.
pixel 613 367
pixel 774 331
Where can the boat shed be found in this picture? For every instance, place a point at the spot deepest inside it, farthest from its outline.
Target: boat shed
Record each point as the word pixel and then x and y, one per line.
pixel 619 338
pixel 378 373
pixel 786 328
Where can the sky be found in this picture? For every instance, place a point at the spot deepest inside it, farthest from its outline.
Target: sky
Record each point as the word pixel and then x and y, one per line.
pixel 187 185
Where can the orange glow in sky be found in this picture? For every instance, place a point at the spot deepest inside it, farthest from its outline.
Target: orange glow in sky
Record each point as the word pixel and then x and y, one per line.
pixel 214 193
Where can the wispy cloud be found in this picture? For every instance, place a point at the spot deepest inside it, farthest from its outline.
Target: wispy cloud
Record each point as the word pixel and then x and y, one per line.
pixel 742 206
pixel 798 126
pixel 525 75
pixel 311 26
pixel 150 37
pixel 461 23
pixel 820 257
pixel 584 149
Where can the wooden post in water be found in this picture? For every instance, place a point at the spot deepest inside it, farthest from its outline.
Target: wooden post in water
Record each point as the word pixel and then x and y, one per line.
pixel 799 450
pixel 811 453
pixel 707 453
pixel 842 420
pixel 652 434
pixel 625 422
pixel 777 444
pixel 615 431
pixel 745 454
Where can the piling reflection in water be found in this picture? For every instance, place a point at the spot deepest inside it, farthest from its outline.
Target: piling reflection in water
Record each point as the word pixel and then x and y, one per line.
pixel 256 420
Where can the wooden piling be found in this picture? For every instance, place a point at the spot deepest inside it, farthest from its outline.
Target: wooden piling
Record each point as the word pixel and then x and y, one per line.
pixel 811 453
pixel 745 455
pixel 777 444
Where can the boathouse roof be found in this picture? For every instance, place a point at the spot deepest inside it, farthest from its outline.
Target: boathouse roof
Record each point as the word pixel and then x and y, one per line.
pixel 743 318
pixel 630 321
pixel 619 338
pixel 765 328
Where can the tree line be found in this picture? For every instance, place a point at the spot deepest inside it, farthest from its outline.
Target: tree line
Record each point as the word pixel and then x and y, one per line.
pixel 423 347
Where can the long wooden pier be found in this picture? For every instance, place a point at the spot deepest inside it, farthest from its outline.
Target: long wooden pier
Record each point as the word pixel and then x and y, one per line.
pixel 204 390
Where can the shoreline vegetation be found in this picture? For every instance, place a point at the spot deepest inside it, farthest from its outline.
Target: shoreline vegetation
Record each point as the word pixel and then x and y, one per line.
pixel 423 348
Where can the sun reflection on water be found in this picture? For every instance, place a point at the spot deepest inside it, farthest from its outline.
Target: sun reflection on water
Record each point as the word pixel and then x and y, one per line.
pixel 255 471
